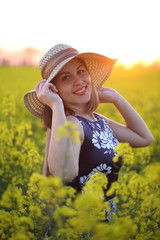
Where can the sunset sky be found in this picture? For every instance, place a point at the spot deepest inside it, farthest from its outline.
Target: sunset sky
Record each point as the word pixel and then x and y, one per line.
pixel 125 29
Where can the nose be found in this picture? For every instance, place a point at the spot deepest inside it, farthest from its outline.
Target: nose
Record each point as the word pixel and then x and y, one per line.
pixel 78 80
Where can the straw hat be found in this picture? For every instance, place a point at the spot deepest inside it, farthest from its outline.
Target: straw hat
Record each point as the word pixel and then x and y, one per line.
pixel 99 67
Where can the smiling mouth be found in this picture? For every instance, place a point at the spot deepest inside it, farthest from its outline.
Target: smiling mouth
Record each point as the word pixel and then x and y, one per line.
pixel 80 91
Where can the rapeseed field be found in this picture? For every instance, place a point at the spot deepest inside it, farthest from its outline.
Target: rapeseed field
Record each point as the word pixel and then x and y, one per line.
pixel 30 202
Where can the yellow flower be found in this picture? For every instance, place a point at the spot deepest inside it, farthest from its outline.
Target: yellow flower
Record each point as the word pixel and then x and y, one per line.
pixel 125 151
pixel 69 130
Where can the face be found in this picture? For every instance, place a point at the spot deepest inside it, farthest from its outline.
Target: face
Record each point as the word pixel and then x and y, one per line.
pixel 74 84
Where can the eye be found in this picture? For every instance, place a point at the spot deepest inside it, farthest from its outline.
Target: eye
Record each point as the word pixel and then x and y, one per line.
pixel 66 77
pixel 82 71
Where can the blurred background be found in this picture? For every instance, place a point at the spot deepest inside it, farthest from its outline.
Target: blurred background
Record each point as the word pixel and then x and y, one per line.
pixel 123 29
pixel 126 29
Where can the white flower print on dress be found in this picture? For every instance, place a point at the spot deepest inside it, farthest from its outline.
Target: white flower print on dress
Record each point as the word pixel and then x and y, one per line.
pixel 101 168
pixel 103 137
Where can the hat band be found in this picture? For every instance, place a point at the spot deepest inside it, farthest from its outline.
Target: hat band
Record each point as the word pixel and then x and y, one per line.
pixel 60 56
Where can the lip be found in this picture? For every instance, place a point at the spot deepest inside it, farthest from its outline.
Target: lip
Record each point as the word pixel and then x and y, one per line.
pixel 80 91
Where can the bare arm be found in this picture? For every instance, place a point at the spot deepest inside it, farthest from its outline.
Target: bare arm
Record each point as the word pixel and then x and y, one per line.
pixel 135 132
pixel 56 151
pixel 63 155
pixel 45 165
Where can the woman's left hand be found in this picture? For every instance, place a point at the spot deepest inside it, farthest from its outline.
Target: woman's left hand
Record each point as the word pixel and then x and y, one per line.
pixel 108 95
pixel 135 131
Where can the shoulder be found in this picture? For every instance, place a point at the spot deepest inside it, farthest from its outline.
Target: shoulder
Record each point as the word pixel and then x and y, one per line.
pixel 75 120
pixel 105 118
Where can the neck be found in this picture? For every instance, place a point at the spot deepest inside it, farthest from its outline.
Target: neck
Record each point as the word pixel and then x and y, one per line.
pixel 79 112
pixel 89 116
pixel 77 109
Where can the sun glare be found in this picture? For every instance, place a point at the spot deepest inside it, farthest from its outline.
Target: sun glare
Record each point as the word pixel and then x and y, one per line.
pixel 128 29
pixel 131 61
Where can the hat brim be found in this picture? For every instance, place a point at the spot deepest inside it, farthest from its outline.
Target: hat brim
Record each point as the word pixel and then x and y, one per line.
pixel 99 67
pixel 33 104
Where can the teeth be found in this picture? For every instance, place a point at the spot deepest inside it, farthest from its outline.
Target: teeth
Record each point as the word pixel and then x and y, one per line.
pixel 81 90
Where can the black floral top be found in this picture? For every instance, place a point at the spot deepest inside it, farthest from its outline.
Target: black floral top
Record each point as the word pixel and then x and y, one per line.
pixel 97 152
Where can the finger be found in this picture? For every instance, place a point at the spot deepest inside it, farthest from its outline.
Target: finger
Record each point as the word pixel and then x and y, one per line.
pixel 102 89
pixel 52 87
pixel 39 84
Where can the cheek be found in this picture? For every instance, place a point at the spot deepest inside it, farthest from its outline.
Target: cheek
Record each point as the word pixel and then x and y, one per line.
pixel 63 91
pixel 88 79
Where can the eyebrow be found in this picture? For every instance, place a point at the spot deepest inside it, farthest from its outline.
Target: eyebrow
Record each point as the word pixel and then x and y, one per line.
pixel 80 66
pixel 59 74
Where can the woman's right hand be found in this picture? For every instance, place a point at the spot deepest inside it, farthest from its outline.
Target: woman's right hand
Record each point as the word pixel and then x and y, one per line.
pixel 47 93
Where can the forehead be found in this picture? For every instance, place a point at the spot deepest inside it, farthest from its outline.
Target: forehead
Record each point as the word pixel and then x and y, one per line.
pixel 74 63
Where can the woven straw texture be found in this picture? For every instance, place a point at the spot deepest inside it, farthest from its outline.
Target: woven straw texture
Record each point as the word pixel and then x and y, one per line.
pixel 99 67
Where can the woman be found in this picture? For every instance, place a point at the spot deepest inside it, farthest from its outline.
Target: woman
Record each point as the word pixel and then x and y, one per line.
pixel 71 90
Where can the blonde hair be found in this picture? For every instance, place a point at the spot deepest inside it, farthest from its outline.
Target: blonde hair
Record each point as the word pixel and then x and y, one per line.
pixel 91 107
